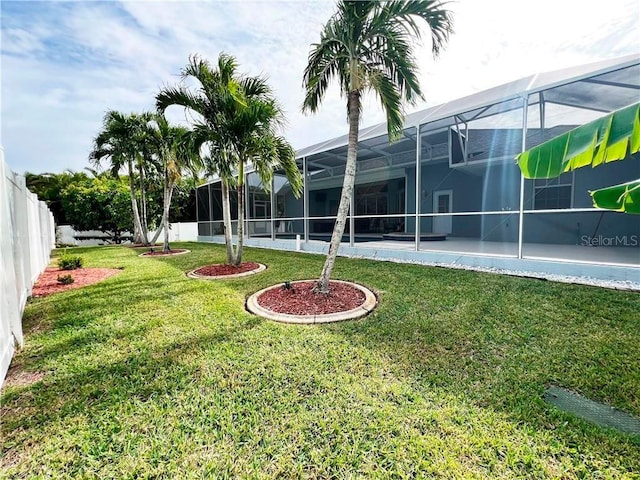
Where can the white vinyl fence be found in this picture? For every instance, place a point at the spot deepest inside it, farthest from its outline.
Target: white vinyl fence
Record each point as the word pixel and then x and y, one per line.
pixel 27 235
pixel 178 232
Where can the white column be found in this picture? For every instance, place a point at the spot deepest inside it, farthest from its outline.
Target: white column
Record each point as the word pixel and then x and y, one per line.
pixel 305 207
pixel 246 206
pixel 273 206
pixel 418 192
pixel 525 111
pixel 352 221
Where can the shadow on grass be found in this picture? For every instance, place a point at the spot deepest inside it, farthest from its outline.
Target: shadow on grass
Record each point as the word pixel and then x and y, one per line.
pixel 498 341
pixel 479 343
pixel 138 377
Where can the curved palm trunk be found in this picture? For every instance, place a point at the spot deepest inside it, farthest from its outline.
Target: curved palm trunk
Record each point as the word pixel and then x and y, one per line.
pixel 156 235
pixel 164 221
pixel 137 227
pixel 226 219
pixel 347 188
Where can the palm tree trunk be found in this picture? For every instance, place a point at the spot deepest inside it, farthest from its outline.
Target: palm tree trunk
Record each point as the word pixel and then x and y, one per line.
pixel 165 216
pixel 347 188
pixel 238 256
pixel 134 203
pixel 226 220
pixel 137 235
pixel 164 222
pixel 143 201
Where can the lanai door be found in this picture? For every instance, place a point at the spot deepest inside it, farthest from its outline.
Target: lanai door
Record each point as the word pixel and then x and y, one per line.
pixel 442 203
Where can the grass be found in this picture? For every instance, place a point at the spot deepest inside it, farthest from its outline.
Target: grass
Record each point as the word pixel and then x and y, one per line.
pixel 151 374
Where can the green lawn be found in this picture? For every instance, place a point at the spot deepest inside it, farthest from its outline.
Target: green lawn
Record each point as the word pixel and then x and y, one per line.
pixel 150 374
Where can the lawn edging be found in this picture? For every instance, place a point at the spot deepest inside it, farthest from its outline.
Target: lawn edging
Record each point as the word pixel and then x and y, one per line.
pixel 193 274
pixel 369 304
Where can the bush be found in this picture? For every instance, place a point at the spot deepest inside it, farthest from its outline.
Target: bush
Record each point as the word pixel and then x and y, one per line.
pixel 69 262
pixel 65 279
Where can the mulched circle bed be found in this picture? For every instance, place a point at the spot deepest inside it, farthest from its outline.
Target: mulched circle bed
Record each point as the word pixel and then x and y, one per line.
pixel 300 299
pixel 160 253
pixel 47 282
pixel 222 269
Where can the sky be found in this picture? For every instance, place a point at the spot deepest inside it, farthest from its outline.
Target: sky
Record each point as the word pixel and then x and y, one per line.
pixel 64 64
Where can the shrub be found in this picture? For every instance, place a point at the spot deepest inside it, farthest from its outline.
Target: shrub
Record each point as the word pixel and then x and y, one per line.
pixel 65 279
pixel 69 262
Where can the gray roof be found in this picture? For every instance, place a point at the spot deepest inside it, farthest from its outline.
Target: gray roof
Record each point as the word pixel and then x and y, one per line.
pixel 574 86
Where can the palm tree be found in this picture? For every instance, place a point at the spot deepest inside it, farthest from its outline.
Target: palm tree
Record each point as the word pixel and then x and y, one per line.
pixel 366 46
pixel 122 141
pixel 238 124
pixel 176 153
pixel 48 187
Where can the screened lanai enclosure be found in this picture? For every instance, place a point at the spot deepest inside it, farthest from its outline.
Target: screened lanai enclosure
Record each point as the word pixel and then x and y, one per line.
pixel 451 185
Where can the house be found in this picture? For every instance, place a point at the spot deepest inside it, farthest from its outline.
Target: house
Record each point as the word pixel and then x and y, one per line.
pixel 449 190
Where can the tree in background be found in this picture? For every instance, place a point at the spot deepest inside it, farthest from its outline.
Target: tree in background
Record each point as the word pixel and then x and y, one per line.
pixel 99 203
pixel 366 46
pixel 48 188
pixel 238 122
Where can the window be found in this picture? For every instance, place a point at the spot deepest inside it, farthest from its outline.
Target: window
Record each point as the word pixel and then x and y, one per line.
pixel 553 193
pixel 371 199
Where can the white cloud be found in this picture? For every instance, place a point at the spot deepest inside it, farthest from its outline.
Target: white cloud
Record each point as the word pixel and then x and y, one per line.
pixel 65 64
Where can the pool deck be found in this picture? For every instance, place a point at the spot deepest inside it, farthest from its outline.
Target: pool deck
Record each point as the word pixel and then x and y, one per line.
pixel 601 262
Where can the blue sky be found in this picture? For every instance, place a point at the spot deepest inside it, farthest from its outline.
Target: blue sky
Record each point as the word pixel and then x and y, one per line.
pixel 65 63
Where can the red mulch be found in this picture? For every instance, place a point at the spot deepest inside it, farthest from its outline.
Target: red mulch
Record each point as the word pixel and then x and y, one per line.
pixel 224 269
pixel 160 253
pixel 301 300
pixel 47 282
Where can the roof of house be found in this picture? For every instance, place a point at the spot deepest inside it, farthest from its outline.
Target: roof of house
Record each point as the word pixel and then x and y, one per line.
pixel 574 86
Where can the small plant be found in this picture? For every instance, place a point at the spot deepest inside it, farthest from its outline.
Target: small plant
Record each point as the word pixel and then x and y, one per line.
pixel 65 279
pixel 69 262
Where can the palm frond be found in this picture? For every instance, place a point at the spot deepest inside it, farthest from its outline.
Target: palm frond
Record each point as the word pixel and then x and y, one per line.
pixel 368 45
pixel 620 198
pixel 181 96
pixel 406 14
pixel 603 140
pixel 389 96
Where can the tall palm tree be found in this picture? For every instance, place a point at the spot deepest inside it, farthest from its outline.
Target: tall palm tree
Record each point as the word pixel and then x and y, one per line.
pixel 174 148
pixel 238 123
pixel 366 46
pixel 121 140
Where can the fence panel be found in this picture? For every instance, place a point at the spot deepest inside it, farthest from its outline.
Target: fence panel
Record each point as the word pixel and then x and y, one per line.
pixel 27 236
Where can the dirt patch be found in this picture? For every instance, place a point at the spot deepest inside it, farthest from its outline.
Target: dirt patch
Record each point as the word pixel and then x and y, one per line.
pixel 300 299
pixel 47 282
pixel 17 377
pixel 223 269
pixel 160 253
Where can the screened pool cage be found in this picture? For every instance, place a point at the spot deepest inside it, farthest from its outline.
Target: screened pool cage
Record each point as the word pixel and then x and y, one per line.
pixel 451 183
